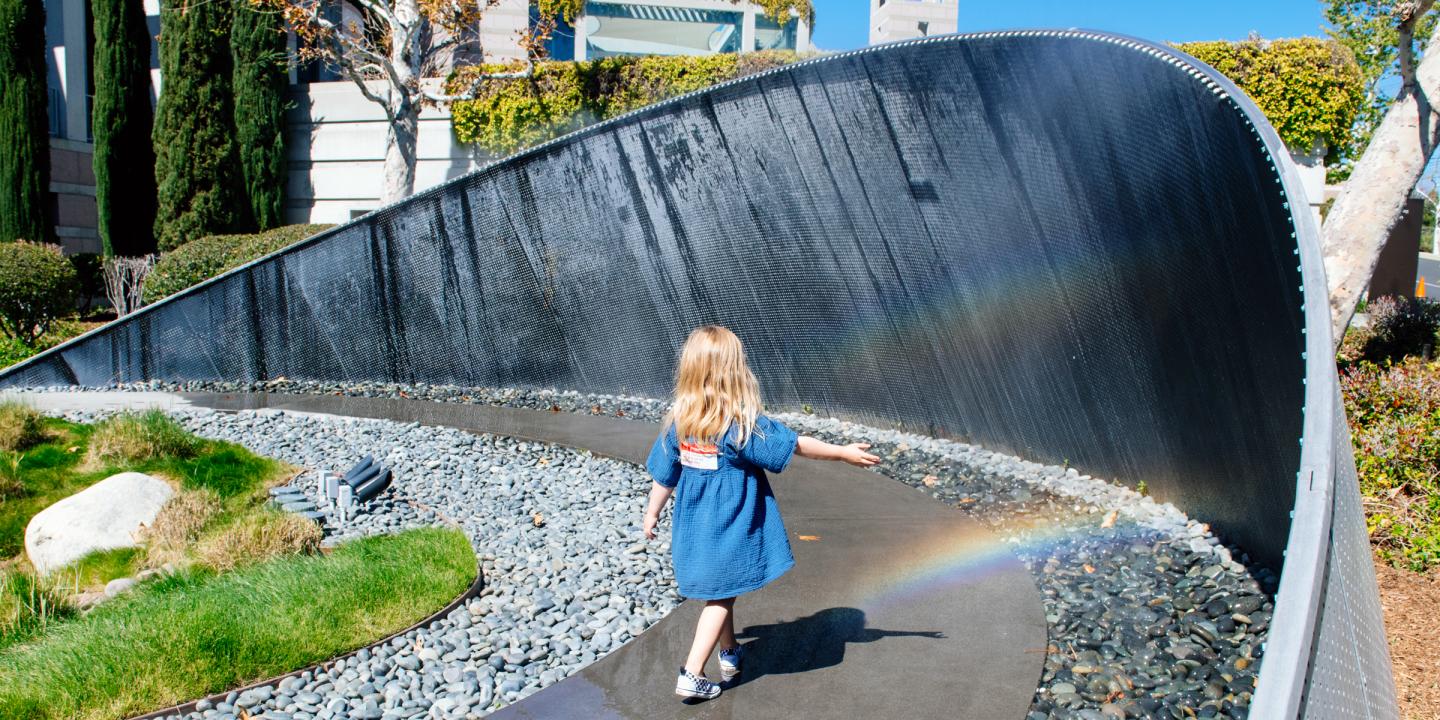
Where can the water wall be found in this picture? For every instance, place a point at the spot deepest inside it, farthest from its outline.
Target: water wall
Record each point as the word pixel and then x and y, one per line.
pixel 1071 246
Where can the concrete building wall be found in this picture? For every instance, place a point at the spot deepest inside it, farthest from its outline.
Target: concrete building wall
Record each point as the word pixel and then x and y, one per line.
pixel 501 27
pixel 335 144
pixel 892 20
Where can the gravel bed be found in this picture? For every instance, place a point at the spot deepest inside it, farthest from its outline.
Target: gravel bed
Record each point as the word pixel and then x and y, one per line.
pixel 566 580
pixel 1149 614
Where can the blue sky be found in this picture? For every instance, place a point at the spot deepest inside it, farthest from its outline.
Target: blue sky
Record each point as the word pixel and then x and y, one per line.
pixel 842 24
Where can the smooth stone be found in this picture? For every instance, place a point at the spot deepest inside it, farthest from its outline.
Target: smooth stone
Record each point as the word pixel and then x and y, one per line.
pixel 105 516
pixel 119 585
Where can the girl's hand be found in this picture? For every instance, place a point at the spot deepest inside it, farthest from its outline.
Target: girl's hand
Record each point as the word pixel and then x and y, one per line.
pixel 650 521
pixel 855 454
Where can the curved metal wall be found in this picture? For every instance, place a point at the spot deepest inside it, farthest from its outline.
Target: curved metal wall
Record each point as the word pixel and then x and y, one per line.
pixel 1066 245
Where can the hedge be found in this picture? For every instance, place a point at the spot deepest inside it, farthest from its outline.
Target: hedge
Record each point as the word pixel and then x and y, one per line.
pixel 1310 89
pixel 507 115
pixel 204 258
pixel 37 287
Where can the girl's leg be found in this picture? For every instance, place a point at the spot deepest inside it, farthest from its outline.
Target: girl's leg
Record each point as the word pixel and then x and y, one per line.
pixel 713 620
pixel 727 633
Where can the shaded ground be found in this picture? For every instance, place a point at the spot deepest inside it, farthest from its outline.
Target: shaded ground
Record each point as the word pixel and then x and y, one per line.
pixel 1410 600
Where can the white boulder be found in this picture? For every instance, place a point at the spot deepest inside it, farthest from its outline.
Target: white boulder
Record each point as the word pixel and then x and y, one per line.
pixel 104 516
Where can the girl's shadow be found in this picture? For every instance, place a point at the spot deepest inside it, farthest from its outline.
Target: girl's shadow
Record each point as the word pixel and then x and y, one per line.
pixel 809 643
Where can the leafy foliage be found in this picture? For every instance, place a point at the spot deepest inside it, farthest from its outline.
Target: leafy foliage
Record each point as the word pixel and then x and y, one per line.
pixel 199 260
pixel 560 97
pixel 24 124
pixel 1310 89
pixel 197 164
pixel 257 44
pixel 1399 327
pixel 1394 415
pixel 37 287
pixel 1370 30
pixel 122 122
pixel 13 351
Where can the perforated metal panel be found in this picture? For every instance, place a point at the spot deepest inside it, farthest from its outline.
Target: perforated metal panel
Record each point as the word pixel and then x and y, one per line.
pixel 1070 246
pixel 1350 662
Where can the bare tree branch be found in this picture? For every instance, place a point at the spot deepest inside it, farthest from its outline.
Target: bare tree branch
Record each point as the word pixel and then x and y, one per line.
pixel 469 92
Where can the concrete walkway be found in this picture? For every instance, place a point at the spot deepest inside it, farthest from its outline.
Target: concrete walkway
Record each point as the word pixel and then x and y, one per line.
pixel 897 606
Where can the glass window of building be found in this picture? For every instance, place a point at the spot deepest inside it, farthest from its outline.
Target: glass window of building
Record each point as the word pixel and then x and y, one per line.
pixel 625 29
pixel 770 35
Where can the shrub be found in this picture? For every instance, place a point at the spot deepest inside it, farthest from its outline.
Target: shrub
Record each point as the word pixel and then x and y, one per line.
pixel 507 115
pixel 202 259
pixel 37 287
pixel 1394 415
pixel 20 426
pixel 1399 327
pixel 131 437
pixel 1310 89
pixel 258 537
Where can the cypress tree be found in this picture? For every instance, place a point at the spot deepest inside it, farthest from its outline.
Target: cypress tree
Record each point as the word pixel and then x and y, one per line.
pixel 257 43
pixel 196 161
pixel 121 121
pixel 24 125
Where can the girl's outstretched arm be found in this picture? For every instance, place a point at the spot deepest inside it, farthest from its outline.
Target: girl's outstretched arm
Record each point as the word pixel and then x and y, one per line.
pixel 658 495
pixel 854 453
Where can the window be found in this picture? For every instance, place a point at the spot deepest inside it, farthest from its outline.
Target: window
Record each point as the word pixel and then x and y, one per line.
pixel 924 28
pixel 626 29
pixel 770 35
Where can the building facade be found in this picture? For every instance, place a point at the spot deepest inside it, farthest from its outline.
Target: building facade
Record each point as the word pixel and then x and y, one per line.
pixel 892 20
pixel 336 138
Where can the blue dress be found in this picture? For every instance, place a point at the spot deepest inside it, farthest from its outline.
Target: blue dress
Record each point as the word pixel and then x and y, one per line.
pixel 727 537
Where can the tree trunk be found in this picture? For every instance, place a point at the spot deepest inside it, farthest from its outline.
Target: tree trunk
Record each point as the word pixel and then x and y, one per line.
pixel 405 58
pixel 400 154
pixel 1371 204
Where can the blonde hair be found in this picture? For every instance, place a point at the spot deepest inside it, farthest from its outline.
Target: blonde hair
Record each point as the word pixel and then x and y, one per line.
pixel 714 387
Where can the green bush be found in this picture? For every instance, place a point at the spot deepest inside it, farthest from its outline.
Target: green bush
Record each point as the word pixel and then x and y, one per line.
pixel 202 259
pixel 37 287
pixel 1310 89
pixel 1394 415
pixel 561 97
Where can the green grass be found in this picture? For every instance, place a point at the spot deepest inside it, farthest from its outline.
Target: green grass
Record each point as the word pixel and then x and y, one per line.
pixel 102 566
pixel 223 631
pixel 65 462
pixel 28 606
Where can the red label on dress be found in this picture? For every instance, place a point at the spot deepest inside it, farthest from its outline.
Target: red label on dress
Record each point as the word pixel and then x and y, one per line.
pixel 699 456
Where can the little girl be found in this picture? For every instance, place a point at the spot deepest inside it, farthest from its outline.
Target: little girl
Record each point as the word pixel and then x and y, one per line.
pixel 727 538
